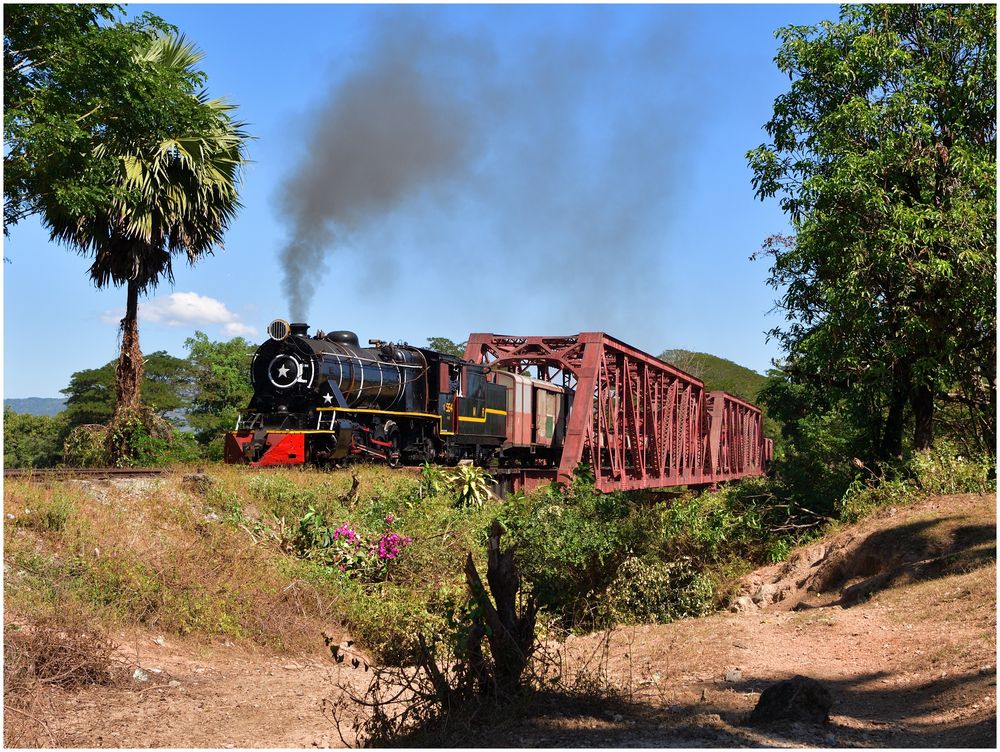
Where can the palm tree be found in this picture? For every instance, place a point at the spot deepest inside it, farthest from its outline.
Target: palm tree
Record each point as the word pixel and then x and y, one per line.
pixel 170 194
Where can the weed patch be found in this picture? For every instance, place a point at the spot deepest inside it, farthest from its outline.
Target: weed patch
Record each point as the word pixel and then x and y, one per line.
pixel 939 471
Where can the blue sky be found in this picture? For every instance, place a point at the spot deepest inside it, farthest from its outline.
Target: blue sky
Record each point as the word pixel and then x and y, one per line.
pixel 573 168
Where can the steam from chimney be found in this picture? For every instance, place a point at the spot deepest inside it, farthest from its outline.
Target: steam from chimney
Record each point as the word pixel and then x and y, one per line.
pixel 564 151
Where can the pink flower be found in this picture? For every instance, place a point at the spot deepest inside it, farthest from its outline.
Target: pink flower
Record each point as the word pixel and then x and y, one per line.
pixel 389 519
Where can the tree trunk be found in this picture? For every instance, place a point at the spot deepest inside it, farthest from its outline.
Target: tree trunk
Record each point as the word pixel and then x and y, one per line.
pixel 892 437
pixel 130 365
pixel 511 636
pixel 923 416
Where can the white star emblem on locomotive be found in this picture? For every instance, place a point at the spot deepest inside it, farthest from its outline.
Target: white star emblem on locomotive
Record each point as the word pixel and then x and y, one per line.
pixel 285 370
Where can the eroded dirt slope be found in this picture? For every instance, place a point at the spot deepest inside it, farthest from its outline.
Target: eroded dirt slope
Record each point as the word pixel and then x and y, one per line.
pixel 896 616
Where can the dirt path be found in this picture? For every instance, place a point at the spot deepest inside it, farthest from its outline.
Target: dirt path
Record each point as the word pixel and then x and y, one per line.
pixel 202 696
pixel 914 664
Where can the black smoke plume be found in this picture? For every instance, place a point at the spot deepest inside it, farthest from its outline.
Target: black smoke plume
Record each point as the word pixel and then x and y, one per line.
pixel 565 151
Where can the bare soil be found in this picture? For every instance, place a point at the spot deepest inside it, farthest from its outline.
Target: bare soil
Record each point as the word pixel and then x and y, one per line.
pixel 896 616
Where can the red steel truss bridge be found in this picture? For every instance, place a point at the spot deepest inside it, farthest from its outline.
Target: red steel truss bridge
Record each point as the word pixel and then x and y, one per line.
pixel 649 425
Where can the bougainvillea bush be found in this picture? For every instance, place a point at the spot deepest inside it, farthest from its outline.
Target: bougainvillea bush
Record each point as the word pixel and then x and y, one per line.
pixel 345 549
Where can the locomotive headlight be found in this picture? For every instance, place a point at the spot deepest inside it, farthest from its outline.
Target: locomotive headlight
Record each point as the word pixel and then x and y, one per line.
pixel 286 370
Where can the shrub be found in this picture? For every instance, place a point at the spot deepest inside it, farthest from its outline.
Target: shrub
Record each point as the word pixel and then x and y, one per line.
pixel 865 496
pixel 742 522
pixel 86 446
pixel 940 470
pixel 944 470
pixel 62 650
pixel 343 548
pixel 432 480
pixel 136 437
pixel 570 544
pixel 654 591
pixel 388 620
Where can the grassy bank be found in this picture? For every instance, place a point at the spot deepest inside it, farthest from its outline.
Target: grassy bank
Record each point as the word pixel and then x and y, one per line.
pixel 276 558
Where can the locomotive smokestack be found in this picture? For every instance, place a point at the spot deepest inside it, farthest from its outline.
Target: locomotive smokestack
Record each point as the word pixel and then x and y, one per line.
pixel 300 330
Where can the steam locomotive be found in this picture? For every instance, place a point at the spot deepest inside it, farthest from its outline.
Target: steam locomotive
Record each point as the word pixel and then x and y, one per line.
pixel 641 423
pixel 322 399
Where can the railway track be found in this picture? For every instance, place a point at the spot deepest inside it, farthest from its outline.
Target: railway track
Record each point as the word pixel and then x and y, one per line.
pixel 82 473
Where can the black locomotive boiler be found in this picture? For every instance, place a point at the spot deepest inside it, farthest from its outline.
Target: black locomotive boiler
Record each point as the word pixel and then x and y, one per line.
pixel 322 399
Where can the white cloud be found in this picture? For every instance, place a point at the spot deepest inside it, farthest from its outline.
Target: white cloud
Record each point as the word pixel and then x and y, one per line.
pixel 186 309
pixel 235 328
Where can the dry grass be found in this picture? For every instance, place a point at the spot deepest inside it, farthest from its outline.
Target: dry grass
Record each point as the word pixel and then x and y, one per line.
pixel 65 651
pixel 151 553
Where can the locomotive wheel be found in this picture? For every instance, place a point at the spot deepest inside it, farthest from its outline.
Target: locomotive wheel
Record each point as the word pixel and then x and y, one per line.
pixel 430 451
pixel 392 436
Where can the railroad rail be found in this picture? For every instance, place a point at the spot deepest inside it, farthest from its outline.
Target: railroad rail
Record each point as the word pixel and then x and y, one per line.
pixel 82 473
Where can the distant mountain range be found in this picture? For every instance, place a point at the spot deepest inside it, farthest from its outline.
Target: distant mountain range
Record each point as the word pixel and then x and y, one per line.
pixel 717 373
pixel 36 405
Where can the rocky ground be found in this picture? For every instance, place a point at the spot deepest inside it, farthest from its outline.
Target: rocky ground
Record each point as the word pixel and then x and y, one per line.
pixel 895 616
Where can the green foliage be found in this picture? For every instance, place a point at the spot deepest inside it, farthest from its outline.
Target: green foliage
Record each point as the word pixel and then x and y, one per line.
pixel 89 104
pixel 651 591
pixel 166 387
pixel 883 155
pixel 142 439
pixel 945 470
pixel 820 437
pixel 221 377
pixel 32 440
pixel 86 446
pixel 447 346
pixel 570 545
pixel 129 440
pixel 48 94
pixel 112 141
pixel 46 514
pixel 388 620
pixel 937 471
pixel 590 557
pixel 432 480
pixel 471 485
pixel 739 525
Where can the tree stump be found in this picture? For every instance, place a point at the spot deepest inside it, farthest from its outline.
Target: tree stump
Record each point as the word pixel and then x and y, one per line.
pixel 511 636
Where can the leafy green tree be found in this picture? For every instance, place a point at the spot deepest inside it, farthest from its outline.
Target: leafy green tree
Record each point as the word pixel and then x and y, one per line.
pixel 166 387
pixel 32 440
pixel 122 155
pixel 43 45
pixel 221 377
pixel 447 346
pixel 883 155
